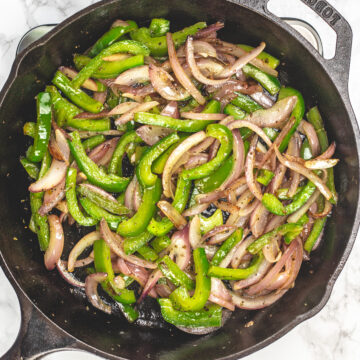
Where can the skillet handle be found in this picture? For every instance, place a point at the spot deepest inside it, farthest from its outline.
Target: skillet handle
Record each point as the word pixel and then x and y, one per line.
pixel 37 336
pixel 339 66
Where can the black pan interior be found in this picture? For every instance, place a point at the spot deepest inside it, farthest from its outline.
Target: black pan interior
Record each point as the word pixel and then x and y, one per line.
pixel 67 307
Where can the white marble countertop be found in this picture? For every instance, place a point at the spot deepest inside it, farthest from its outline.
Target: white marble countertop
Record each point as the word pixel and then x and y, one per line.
pixel 332 334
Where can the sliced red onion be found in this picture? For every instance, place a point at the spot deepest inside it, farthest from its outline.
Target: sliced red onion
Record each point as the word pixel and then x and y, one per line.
pixel 294 149
pixel 151 282
pixel 119 22
pixel 206 32
pixel 56 244
pixel 241 251
pixel 129 194
pixel 249 170
pixel 196 209
pixel 328 153
pixel 271 251
pixel 200 48
pixel 100 96
pixel 210 67
pixel 226 206
pixel 165 85
pixel 123 108
pixel 190 58
pixel 171 109
pixel 217 230
pixel 196 160
pixel 220 295
pixel 265 101
pixel 137 196
pixel 258 302
pixel 180 247
pixel 138 74
pixel 175 156
pixel 128 116
pixel 99 191
pixel 180 74
pixel 321 164
pixel 163 290
pixel 325 212
pixel 52 197
pixel 59 147
pixel 115 243
pixel 202 116
pixel 312 137
pixel 81 245
pixel 91 283
pixel 151 134
pixel 305 172
pixel 68 277
pixel 71 73
pixel 172 214
pixel 258 220
pixel 53 177
pixel 229 88
pixel 243 60
pixel 238 124
pixel 296 265
pixel 194 232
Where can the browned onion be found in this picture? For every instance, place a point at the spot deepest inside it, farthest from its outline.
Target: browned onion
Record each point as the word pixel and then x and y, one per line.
pixel 328 153
pixel 115 243
pixel 312 137
pixel 249 169
pixel 71 73
pixel 243 60
pixel 151 134
pixel 265 101
pixel 194 232
pixel 171 109
pixel 226 206
pixel 138 74
pixel 180 73
pixel 151 282
pixel 180 247
pixel 59 147
pixel 325 212
pixel 320 164
pixel 196 209
pixel 52 198
pixel 56 244
pixel 129 194
pixel 172 214
pixel 175 156
pixel 91 283
pixel 164 84
pixel 220 295
pixel 122 108
pixel 196 160
pixel 81 245
pixel 210 67
pixel 258 220
pixel 213 28
pixel 129 115
pixel 217 230
pixel 68 277
pixel 305 172
pixel 100 96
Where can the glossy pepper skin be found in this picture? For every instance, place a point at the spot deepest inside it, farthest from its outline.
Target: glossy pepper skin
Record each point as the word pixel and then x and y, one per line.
pixel 116 159
pixel 95 175
pixel 148 253
pixel 157 45
pixel 314 234
pixel 92 142
pixel 162 227
pixel 171 123
pixel 236 274
pixel 143 171
pixel 225 137
pixel 109 69
pixel 138 223
pixel 159 27
pixel 132 244
pixel 207 224
pixel 43 128
pixel 211 316
pixel 31 168
pixel 72 202
pixel 226 246
pixel 298 113
pixel 76 95
pixel 110 37
pixel 124 46
pixel 180 296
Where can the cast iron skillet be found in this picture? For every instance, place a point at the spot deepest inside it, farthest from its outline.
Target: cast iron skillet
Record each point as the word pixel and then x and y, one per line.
pixel 56 317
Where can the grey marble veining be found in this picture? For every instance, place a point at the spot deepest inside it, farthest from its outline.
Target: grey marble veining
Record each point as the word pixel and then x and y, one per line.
pixel 332 334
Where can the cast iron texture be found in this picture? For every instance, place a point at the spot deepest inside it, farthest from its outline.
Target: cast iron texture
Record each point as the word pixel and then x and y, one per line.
pixel 54 316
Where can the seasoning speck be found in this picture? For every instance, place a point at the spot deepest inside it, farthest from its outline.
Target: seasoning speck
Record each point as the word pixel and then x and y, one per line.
pixel 15 238
pixel 250 323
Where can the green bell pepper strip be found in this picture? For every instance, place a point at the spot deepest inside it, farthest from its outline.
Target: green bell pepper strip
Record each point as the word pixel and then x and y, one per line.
pixel 159 27
pixel 90 125
pixel 301 198
pixel 110 37
pixel 148 253
pixel 116 159
pixel 160 243
pixel 215 179
pixel 143 171
pixel 226 247
pixel 269 82
pixel 31 168
pixel 265 177
pixel 97 213
pixel 234 111
pixel 92 142
pixel 162 227
pixel 245 103
pixel 265 239
pixel 102 201
pixel 210 316
pixel 124 46
pixel 298 113
pixel 102 262
pixel 305 150
pixel 212 107
pixel 314 234
pixel 138 223
pixel 29 129
pixel 316 120
pixel 171 123
pixel 225 137
pixel 272 61
pixel 282 194
pixel 94 174
pixel 271 133
pixel 109 69
pixel 180 296
pixel 72 202
pixel 236 274
pixel 77 96
pixel 273 204
pixel 172 272
pixel 207 224
pixel 192 103
pixel 158 45
pixel 43 128
pixel 132 244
